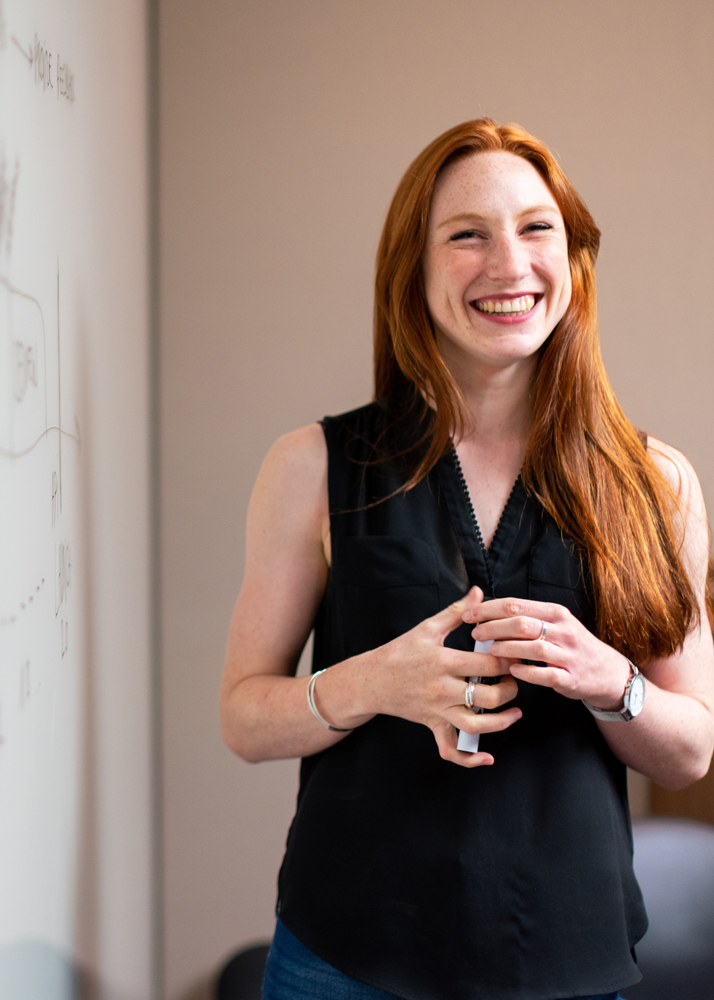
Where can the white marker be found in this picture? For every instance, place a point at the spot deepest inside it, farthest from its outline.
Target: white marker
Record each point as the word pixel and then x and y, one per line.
pixel 466 741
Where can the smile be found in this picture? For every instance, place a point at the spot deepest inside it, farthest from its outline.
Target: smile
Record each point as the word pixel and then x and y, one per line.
pixel 507 307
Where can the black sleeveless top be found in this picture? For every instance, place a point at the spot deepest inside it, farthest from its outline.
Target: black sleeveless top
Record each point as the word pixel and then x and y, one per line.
pixel 414 875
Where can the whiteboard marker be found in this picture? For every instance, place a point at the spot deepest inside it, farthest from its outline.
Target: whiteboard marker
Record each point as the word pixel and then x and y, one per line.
pixel 466 740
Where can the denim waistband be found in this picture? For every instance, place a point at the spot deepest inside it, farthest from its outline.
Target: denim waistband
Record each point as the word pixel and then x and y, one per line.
pixel 293 972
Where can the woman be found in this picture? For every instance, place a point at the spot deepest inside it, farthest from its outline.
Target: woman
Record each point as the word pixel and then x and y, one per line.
pixel 493 491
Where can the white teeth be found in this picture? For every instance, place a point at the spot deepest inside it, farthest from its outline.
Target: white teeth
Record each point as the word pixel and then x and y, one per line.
pixel 508 306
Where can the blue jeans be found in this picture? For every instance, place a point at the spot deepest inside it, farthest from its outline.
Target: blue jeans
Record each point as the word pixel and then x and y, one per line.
pixel 293 972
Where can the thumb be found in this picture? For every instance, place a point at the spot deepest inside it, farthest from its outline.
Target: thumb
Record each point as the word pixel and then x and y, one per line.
pixel 453 616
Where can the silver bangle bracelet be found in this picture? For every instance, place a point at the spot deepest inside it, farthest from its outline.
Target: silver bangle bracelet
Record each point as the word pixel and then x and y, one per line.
pixel 313 706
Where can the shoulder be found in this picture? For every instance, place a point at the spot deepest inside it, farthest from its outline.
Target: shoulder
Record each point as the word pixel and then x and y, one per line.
pixel 678 472
pixel 692 515
pixel 294 472
pixel 295 468
pixel 294 449
pixel 304 452
pixel 289 505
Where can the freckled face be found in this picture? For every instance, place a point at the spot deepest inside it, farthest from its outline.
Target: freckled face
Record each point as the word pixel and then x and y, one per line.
pixel 495 268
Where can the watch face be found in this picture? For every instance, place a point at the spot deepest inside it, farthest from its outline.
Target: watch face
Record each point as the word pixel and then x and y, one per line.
pixel 636 697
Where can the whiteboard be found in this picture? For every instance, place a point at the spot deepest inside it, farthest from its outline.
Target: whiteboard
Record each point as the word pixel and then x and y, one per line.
pixel 48 342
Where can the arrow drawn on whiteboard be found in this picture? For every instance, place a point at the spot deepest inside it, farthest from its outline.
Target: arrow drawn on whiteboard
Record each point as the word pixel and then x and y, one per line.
pixel 25 54
pixel 26 451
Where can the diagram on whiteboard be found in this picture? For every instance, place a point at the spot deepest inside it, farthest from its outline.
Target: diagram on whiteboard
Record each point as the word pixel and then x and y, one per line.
pixel 40 478
pixel 33 442
pixel 75 534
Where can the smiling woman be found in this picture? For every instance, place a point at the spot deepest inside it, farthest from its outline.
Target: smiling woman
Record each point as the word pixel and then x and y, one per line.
pixel 494 491
pixel 509 266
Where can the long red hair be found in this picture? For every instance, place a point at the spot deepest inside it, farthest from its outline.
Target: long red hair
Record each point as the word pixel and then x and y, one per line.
pixel 584 460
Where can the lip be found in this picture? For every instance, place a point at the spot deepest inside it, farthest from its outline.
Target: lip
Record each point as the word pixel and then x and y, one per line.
pixel 506 320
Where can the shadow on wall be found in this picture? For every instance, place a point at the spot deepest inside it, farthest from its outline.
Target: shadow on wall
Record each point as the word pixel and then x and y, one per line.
pixel 88 923
pixel 202 989
pixel 30 970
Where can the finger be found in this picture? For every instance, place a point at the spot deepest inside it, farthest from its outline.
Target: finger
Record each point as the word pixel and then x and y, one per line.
pixel 467 759
pixel 489 696
pixel 450 618
pixel 461 664
pixel 451 692
pixel 492 722
pixel 521 627
pixel 552 677
pixel 446 737
pixel 512 607
pixel 492 696
pixel 537 649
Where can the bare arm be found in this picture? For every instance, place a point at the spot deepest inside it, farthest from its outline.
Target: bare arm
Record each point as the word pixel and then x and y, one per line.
pixel 262 704
pixel 264 712
pixel 671 741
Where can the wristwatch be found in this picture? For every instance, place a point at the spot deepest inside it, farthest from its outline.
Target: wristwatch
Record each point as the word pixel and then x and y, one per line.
pixel 632 702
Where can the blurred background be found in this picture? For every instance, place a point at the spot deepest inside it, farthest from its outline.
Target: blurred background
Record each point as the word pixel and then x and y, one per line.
pixel 257 144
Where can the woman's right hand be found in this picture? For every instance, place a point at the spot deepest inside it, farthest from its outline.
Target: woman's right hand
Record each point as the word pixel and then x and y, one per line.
pixel 264 709
pixel 416 677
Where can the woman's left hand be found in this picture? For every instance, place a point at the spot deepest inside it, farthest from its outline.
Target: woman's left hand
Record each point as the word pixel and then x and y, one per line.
pixel 578 665
pixel 671 740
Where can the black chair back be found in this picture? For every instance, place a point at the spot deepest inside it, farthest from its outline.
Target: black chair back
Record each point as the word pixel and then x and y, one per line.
pixel 674 864
pixel 242 975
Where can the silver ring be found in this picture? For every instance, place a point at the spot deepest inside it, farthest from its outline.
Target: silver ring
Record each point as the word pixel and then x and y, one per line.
pixel 469 696
pixel 543 631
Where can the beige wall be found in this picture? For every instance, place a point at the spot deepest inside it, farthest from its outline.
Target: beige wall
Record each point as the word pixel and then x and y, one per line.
pixel 285 126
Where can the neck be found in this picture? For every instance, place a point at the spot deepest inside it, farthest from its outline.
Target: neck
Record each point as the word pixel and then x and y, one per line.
pixel 498 402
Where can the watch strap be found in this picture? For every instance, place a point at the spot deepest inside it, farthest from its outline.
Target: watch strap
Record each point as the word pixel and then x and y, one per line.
pixel 623 714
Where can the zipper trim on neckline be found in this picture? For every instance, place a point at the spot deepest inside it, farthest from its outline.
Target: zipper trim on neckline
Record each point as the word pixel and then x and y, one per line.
pixel 477 529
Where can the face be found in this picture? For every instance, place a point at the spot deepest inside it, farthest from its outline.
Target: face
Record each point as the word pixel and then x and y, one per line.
pixel 496 271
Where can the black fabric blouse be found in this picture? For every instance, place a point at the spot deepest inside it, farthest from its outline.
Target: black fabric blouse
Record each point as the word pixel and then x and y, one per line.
pixel 414 875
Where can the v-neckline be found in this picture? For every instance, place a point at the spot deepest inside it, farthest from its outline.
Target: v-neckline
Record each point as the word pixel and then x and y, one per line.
pixel 482 564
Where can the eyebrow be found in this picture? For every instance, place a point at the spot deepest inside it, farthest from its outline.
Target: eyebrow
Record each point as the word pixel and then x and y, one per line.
pixel 471 216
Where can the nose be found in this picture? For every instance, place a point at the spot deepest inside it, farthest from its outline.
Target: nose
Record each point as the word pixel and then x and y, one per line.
pixel 507 259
